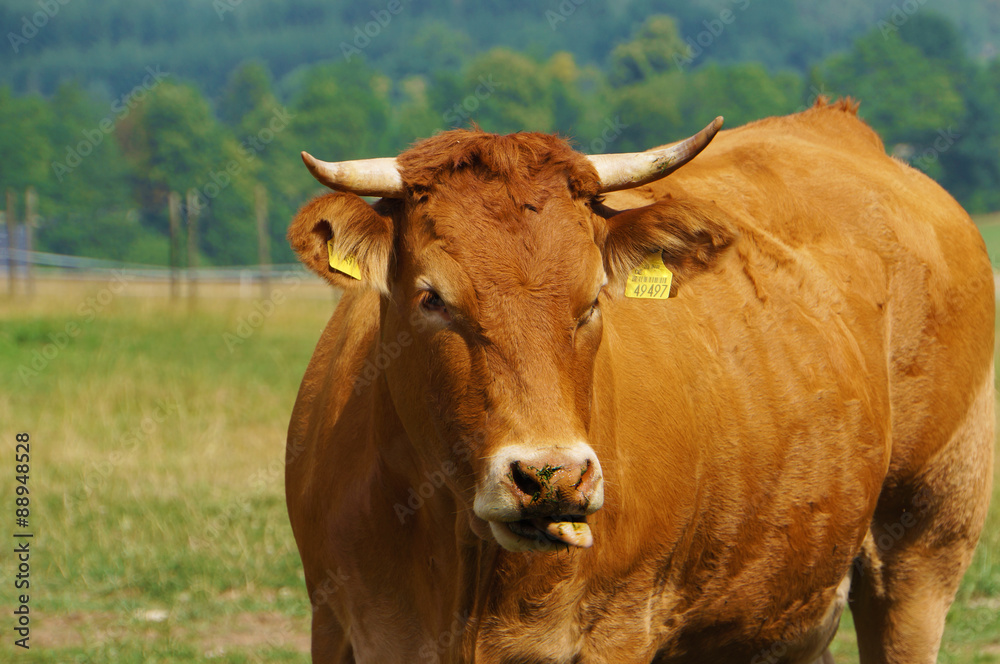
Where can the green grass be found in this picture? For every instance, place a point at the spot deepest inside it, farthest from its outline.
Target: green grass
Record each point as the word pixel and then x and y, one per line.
pixel 168 541
pixel 132 515
pixel 989 226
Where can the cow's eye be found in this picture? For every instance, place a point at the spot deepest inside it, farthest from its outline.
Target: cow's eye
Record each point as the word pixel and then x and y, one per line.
pixel 595 308
pixel 431 301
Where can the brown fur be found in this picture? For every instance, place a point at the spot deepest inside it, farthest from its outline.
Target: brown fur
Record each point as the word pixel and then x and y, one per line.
pixel 516 160
pixel 816 399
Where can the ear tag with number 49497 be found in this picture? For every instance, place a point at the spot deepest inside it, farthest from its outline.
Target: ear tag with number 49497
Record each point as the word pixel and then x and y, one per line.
pixel 346 264
pixel 651 280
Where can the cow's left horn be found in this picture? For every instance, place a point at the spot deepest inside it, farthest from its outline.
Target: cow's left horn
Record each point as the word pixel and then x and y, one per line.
pixel 623 171
pixel 364 177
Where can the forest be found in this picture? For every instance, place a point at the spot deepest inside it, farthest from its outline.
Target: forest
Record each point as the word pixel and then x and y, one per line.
pixel 108 108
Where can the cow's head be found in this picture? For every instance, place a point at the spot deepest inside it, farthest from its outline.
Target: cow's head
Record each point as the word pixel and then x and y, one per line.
pixel 493 256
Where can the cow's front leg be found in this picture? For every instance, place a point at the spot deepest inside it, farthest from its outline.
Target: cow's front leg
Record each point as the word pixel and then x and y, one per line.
pixel 331 643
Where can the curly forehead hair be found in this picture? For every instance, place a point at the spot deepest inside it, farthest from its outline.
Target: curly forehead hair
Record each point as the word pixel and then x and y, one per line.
pixel 516 159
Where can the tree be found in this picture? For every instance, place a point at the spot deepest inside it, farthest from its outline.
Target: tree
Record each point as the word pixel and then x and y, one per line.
pixel 413 116
pixel 904 95
pixel 937 39
pixel 568 102
pixel 773 34
pixel 61 147
pixel 85 201
pixel 341 112
pixel 649 112
pixel 439 47
pixel 969 157
pixel 248 88
pixel 505 92
pixel 741 93
pixel 269 143
pixel 656 48
pixel 26 152
pixel 964 157
pixel 173 143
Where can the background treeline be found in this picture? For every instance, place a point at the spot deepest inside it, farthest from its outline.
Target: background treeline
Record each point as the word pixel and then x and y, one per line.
pixel 107 107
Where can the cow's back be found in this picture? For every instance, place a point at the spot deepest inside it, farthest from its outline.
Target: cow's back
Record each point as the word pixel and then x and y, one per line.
pixel 821 208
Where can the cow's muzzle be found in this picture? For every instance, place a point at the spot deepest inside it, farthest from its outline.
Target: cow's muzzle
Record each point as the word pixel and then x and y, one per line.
pixel 539 499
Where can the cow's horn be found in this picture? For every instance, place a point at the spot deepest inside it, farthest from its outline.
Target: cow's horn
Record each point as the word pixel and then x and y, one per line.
pixel 623 171
pixel 364 177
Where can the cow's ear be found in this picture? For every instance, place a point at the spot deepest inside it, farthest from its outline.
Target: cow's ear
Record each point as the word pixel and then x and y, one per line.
pixel 362 241
pixel 690 234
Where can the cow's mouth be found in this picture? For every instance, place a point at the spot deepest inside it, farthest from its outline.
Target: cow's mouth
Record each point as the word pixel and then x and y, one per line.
pixel 558 531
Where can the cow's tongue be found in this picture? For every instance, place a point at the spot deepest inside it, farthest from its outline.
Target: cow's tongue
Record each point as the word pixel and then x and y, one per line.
pixel 574 533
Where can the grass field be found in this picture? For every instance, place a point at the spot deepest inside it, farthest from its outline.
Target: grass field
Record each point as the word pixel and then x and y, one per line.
pixel 157 448
pixel 157 439
pixel 989 226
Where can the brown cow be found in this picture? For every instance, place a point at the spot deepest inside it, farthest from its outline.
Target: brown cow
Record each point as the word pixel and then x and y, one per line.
pixel 498 456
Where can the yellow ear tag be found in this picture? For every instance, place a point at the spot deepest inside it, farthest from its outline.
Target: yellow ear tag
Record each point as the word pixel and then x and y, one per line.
pixel 651 280
pixel 346 264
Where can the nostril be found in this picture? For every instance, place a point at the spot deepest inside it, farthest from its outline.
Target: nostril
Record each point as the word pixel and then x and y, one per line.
pixel 590 478
pixel 524 479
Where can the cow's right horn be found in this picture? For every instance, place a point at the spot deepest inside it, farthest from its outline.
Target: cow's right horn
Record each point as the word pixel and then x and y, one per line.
pixel 364 177
pixel 632 169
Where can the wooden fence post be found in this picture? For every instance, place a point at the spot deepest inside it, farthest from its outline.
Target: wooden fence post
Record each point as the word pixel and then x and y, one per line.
pixel 192 252
pixel 174 209
pixel 30 220
pixel 263 248
pixel 11 242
